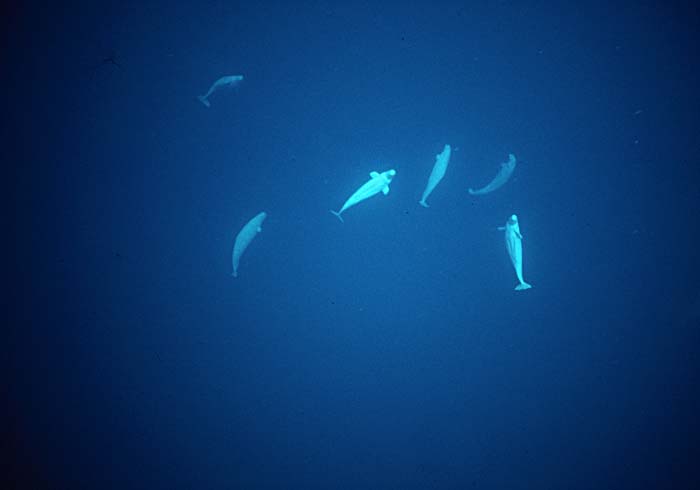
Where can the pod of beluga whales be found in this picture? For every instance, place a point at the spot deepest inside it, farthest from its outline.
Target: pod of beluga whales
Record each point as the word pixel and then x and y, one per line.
pixel 379 183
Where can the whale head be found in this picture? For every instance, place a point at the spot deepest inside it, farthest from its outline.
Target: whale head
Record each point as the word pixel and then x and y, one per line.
pixel 513 219
pixel 389 174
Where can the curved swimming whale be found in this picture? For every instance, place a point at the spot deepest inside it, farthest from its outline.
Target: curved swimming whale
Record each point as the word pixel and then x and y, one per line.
pixel 379 182
pixel 243 239
pixel 507 169
pixel 227 81
pixel 441 162
pixel 514 245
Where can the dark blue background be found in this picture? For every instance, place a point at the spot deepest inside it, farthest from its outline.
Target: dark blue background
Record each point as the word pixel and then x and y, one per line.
pixel 387 352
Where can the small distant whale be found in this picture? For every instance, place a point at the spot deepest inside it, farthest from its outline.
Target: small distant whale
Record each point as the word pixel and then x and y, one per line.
pixel 441 162
pixel 514 246
pixel 379 182
pixel 227 81
pixel 243 239
pixel 507 169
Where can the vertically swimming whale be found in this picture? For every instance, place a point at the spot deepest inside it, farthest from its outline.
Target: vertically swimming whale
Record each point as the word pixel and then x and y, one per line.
pixel 441 162
pixel 514 246
pixel 227 81
pixel 501 177
pixel 379 182
pixel 243 239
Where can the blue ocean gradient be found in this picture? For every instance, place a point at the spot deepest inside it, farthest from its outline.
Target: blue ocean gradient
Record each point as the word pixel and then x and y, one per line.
pixel 386 352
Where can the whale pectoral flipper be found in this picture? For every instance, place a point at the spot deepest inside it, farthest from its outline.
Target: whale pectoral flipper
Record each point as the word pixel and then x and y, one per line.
pixel 374 175
pixel 385 190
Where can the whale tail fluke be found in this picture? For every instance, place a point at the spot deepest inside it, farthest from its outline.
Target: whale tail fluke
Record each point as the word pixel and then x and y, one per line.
pixel 523 286
pixel 204 100
pixel 338 215
pixel 423 203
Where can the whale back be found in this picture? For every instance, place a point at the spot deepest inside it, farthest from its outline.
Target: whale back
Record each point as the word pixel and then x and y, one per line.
pixel 503 175
pixel 441 162
pixel 244 237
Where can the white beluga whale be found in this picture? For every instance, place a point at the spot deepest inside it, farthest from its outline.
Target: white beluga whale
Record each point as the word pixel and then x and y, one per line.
pixel 379 182
pixel 243 239
pixel 501 177
pixel 514 245
pixel 223 82
pixel 441 162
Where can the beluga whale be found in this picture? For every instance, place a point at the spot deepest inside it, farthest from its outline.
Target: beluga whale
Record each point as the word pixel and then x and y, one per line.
pixel 507 169
pixel 223 82
pixel 243 239
pixel 378 182
pixel 441 162
pixel 514 245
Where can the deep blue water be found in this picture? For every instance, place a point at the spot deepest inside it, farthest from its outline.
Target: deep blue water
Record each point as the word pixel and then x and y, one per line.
pixel 388 352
